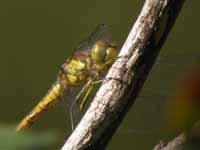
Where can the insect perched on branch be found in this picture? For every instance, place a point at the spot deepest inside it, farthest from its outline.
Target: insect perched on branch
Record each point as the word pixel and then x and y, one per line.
pixel 79 74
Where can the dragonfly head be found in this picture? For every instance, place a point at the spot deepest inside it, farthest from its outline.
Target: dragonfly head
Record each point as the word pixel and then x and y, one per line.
pixel 103 53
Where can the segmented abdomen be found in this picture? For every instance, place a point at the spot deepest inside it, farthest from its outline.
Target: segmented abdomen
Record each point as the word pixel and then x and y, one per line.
pixel 48 101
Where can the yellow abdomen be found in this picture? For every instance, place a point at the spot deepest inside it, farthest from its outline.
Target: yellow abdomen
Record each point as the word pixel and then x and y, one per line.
pixel 48 101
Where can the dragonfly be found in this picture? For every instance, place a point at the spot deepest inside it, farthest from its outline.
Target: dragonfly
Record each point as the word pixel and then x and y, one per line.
pixel 86 67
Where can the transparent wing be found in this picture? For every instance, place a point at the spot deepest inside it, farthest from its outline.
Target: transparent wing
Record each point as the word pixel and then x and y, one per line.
pixel 70 105
pixel 101 32
pixel 84 46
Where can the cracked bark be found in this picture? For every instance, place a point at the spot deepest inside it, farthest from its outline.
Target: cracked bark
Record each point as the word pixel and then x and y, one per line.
pixel 126 77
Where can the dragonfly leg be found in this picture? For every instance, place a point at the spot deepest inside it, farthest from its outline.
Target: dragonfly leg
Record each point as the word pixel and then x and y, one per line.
pixel 98 81
pixel 83 90
pixel 86 97
pixel 113 59
pixel 88 92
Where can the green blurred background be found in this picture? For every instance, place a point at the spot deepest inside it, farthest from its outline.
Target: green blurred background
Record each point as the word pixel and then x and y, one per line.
pixel 37 36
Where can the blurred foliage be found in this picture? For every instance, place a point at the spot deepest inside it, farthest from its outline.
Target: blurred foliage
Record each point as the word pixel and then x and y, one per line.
pixel 9 139
pixel 183 108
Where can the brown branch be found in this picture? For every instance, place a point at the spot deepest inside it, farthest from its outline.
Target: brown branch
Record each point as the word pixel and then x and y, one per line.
pixel 175 144
pixel 126 77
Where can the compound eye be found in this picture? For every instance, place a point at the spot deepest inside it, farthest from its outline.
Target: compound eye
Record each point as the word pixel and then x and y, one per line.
pixel 111 53
pixel 98 52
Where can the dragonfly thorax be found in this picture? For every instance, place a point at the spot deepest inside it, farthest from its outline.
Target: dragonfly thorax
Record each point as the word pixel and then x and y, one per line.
pixel 74 71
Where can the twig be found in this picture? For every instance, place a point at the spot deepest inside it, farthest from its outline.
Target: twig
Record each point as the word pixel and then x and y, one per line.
pixel 175 144
pixel 126 77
